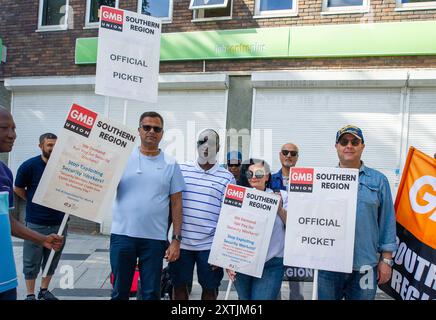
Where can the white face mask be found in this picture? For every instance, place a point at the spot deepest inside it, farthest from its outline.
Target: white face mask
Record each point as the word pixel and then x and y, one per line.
pixel 207 148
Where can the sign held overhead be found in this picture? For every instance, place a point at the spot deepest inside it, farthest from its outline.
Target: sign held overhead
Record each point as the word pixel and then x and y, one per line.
pixel 128 55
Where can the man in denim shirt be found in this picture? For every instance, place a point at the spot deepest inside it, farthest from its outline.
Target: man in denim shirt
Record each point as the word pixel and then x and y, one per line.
pixel 375 237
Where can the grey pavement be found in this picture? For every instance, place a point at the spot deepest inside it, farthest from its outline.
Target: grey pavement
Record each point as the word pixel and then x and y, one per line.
pixel 83 272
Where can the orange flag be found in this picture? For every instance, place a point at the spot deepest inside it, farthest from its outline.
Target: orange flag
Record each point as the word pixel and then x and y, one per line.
pixel 414 270
pixel 416 198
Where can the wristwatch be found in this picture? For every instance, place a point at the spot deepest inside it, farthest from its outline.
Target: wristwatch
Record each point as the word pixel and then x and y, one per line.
pixel 177 237
pixel 389 262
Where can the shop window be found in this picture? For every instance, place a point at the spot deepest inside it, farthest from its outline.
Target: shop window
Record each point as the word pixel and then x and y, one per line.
pixel 53 14
pixel 415 5
pixel 275 8
pixel 157 8
pixel 211 9
pixel 345 6
pixel 93 9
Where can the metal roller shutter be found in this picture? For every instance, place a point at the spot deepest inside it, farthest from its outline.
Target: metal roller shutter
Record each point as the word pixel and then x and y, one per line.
pixel 36 113
pixel 310 117
pixel 422 120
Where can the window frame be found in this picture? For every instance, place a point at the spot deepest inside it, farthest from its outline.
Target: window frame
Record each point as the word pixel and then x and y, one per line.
pixel 168 19
pixel 197 12
pixel 428 5
pixel 275 13
pixel 92 25
pixel 214 6
pixel 58 27
pixel 364 8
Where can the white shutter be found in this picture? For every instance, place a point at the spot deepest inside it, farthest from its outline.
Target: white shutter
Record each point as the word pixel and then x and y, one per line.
pixel 310 117
pixel 38 112
pixel 185 114
pixel 422 120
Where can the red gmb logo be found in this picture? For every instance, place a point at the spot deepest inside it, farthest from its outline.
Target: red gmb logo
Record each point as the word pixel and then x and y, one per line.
pixel 112 15
pixel 82 116
pixel 235 192
pixel 302 175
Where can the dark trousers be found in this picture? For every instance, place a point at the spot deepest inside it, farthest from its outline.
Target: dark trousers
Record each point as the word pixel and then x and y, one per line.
pixel 9 295
pixel 124 253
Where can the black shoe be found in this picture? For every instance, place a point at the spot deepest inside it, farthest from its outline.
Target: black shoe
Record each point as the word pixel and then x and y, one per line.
pixel 46 295
pixel 30 297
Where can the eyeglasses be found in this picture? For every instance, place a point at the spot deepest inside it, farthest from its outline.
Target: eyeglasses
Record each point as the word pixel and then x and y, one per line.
pixel 292 152
pixel 259 174
pixel 344 142
pixel 147 128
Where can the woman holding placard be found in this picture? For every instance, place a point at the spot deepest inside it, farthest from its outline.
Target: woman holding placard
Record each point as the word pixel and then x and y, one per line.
pixel 257 174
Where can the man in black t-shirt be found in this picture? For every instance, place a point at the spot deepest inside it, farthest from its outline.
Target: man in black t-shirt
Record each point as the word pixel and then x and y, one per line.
pixel 38 218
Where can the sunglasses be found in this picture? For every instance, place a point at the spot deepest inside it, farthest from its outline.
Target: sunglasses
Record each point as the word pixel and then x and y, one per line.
pixel 259 174
pixel 233 165
pixel 147 128
pixel 201 142
pixel 292 152
pixel 344 142
pixel 204 141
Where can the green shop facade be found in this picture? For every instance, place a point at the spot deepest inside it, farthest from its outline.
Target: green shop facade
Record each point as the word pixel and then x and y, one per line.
pixel 259 109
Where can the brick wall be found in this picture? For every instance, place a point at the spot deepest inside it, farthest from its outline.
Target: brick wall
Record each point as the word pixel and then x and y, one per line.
pixel 33 53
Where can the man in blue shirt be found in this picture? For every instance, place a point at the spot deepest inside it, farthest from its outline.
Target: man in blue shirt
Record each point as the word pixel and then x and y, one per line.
pixel 151 183
pixel 375 237
pixel 8 225
pixel 288 155
pixel 38 218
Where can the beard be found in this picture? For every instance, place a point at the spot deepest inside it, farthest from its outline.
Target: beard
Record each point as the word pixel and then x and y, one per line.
pixel 46 154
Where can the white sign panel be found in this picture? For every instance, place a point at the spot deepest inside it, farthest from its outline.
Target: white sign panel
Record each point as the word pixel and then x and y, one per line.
pixel 244 230
pixel 321 218
pixel 86 165
pixel 128 55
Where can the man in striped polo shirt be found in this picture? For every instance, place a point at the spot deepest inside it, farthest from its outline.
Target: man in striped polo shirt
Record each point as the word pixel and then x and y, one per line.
pixel 206 182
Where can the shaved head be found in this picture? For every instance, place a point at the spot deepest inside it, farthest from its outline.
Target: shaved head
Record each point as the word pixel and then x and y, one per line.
pixel 7 130
pixel 288 160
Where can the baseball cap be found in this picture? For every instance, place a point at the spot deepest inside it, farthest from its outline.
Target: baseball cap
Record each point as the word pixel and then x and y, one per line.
pixel 355 131
pixel 234 155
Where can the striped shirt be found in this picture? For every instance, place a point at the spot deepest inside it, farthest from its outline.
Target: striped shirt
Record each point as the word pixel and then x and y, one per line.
pixel 202 199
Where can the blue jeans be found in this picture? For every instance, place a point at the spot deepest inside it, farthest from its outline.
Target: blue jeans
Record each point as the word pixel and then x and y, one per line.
pixel 265 288
pixel 182 270
pixel 9 295
pixel 124 252
pixel 351 286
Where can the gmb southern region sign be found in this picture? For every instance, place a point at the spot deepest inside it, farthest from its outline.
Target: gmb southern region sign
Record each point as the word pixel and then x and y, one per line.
pixel 321 218
pixel 86 165
pixel 128 55
pixel 244 230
